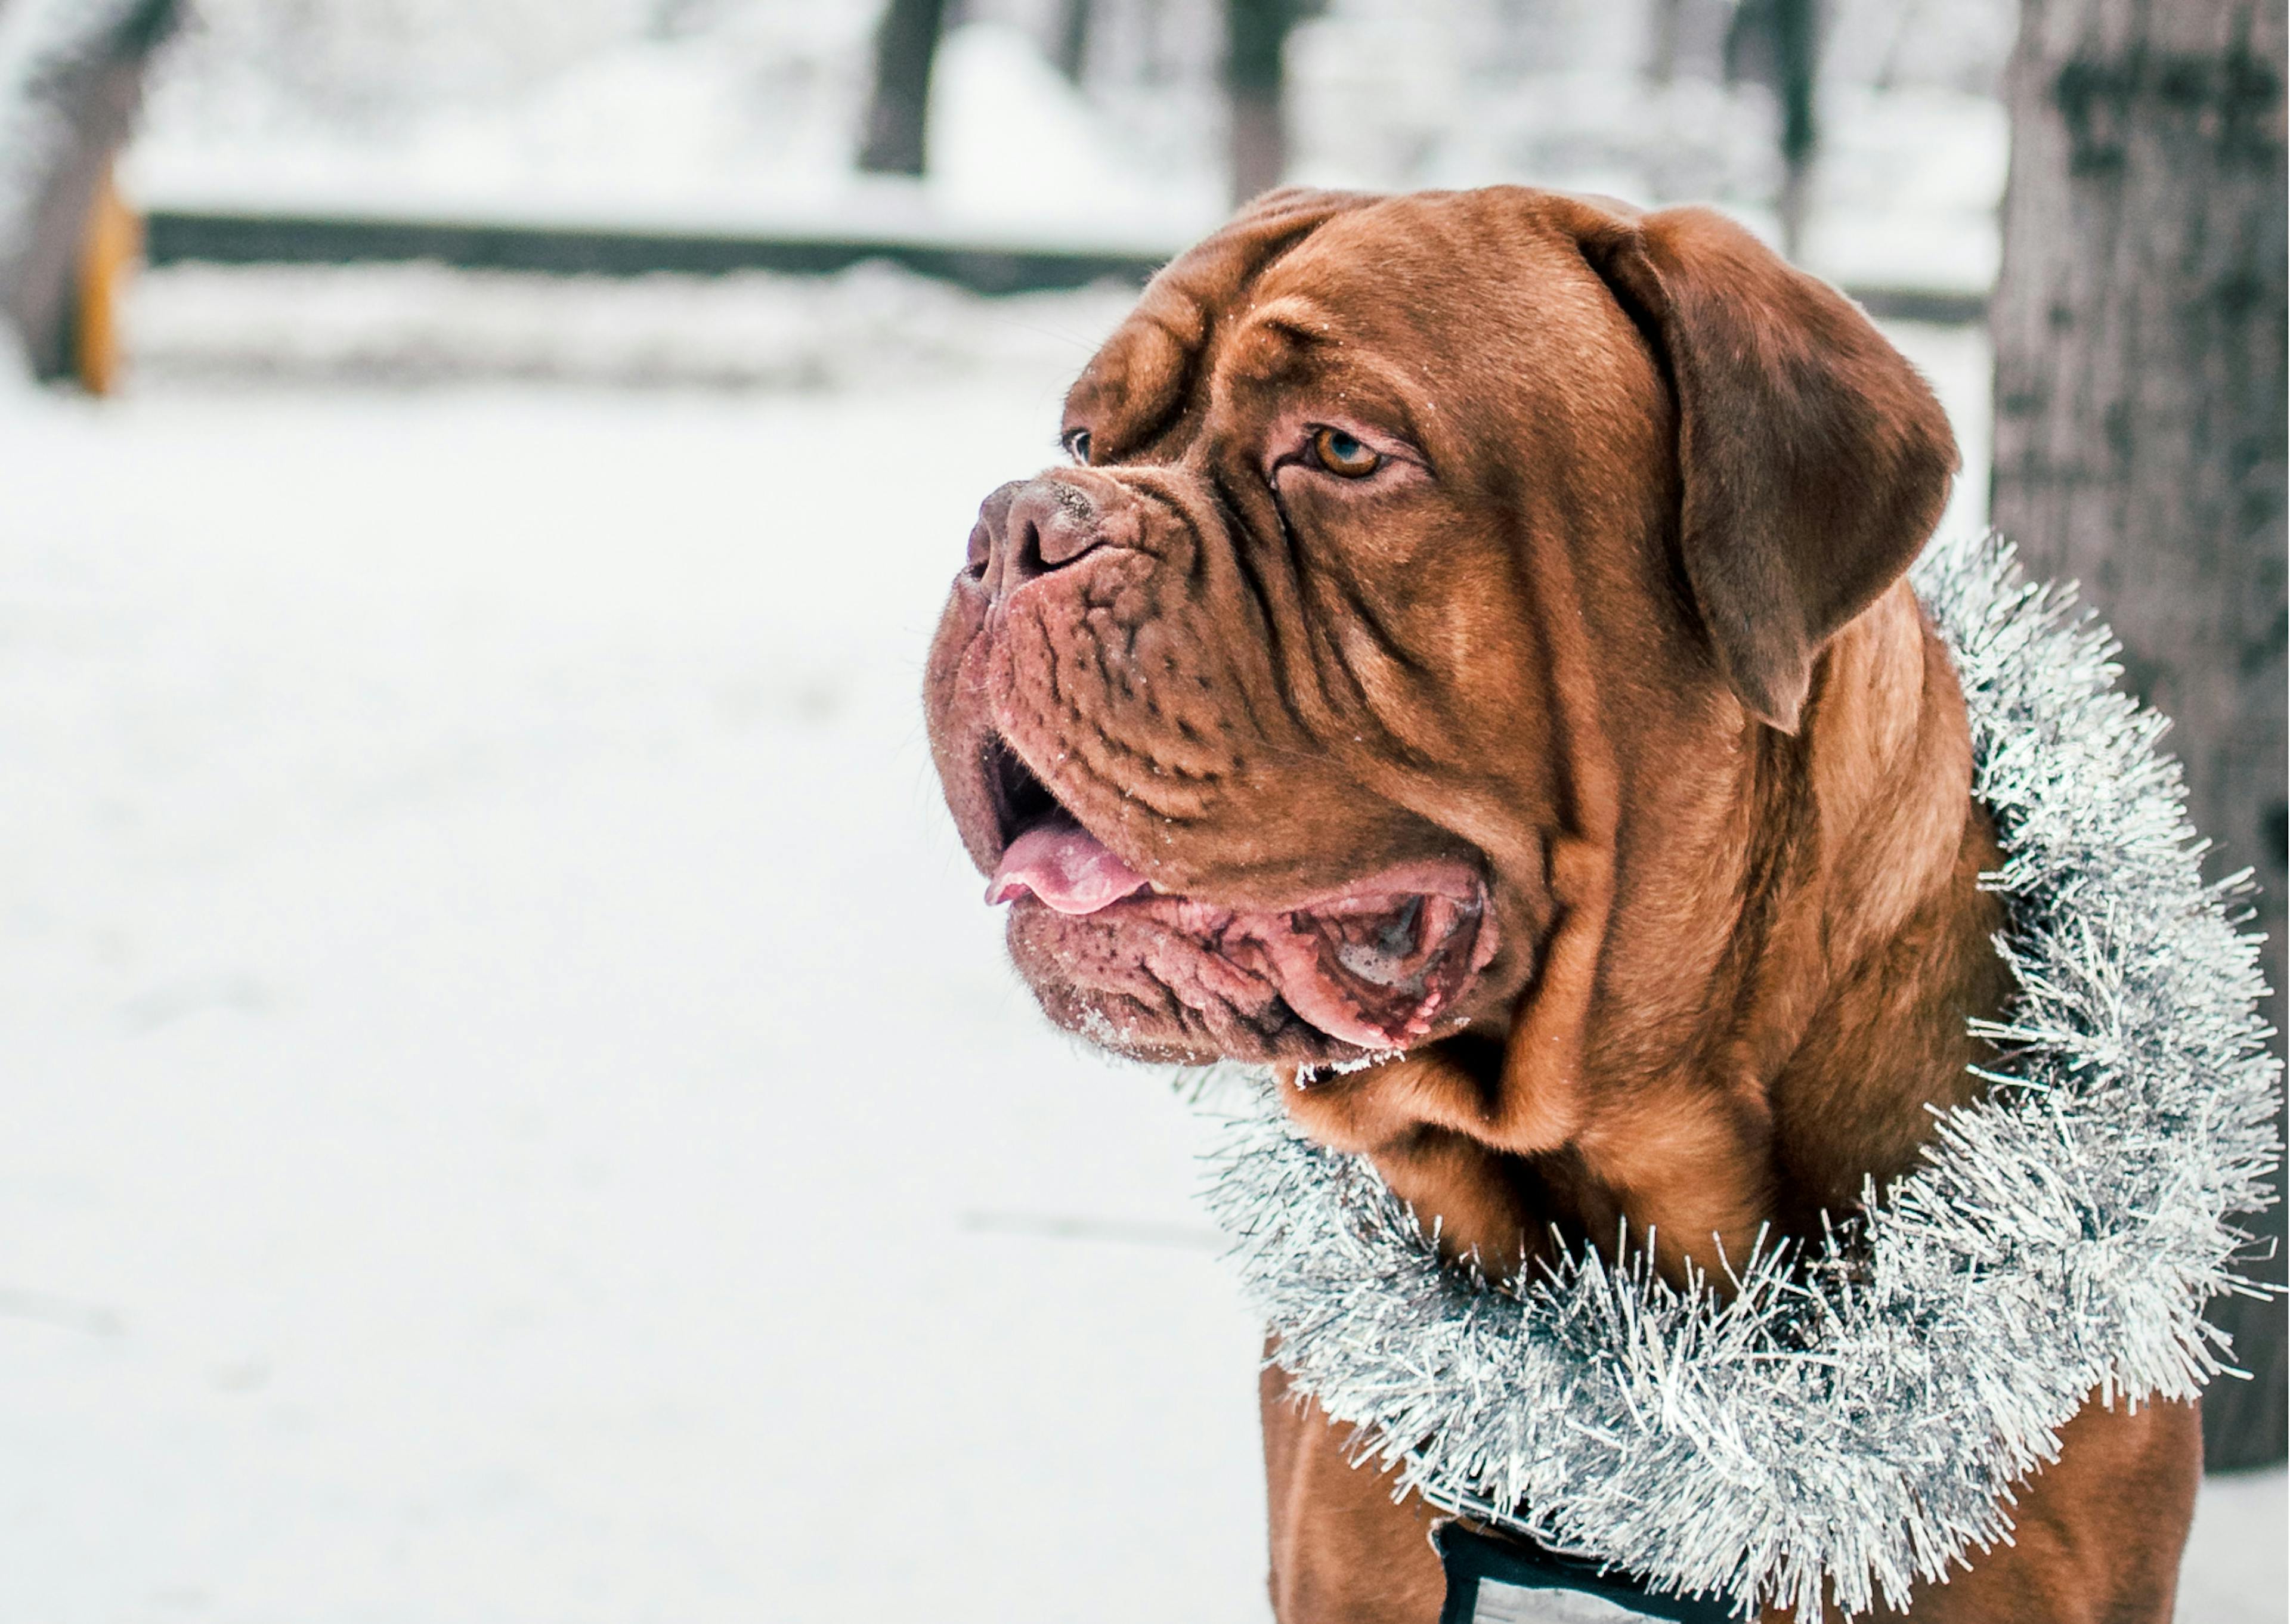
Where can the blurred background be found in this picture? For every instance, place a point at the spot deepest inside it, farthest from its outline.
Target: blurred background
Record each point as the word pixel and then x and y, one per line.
pixel 513 1110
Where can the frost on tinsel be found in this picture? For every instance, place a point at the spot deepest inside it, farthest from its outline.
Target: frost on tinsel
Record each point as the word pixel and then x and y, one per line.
pixel 1857 1415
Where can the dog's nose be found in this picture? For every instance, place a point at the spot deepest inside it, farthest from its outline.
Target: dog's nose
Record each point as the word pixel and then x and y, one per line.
pixel 1029 528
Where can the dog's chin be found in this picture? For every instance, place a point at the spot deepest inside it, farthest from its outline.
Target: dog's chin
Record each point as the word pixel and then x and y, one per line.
pixel 1374 967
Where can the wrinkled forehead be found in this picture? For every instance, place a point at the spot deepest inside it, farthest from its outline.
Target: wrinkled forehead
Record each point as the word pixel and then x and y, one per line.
pixel 1386 307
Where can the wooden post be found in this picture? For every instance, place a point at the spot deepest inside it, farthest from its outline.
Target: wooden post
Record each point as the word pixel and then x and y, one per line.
pixel 2140 328
pixel 108 257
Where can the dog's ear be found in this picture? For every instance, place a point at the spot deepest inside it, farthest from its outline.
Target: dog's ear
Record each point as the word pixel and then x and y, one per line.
pixel 1812 460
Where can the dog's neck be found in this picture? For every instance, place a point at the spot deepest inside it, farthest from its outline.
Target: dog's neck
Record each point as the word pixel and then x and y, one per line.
pixel 1787 936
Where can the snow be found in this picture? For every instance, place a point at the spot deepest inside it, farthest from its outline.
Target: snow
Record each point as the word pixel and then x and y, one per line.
pixel 684 135
pixel 1906 190
pixel 517 1111
pixel 516 1108
pixel 2237 1570
pixel 744 121
pixel 874 325
pixel 1013 146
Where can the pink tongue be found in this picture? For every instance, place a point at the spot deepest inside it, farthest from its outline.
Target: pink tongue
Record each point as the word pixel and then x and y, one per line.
pixel 1063 864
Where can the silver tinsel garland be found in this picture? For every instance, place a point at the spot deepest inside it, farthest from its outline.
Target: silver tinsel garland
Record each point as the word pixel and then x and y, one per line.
pixel 1856 1413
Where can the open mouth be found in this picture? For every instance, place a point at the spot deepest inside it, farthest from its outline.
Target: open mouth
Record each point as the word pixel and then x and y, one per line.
pixel 1373 964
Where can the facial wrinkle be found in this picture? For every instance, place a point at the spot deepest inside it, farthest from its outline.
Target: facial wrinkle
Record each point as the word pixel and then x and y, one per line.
pixel 1279 647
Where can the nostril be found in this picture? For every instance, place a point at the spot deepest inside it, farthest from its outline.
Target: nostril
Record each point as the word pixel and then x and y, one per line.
pixel 993 519
pixel 1025 546
pixel 1067 534
pixel 1050 526
pixel 1030 530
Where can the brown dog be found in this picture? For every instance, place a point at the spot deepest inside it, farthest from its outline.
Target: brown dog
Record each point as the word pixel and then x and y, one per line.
pixel 1473 627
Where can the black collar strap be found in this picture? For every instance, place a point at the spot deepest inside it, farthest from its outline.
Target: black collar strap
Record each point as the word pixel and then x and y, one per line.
pixel 1509 1581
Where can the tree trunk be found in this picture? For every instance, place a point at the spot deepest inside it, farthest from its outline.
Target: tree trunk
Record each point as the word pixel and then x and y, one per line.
pixel 2140 423
pixel 1073 39
pixel 898 111
pixel 1256 34
pixel 1777 43
pixel 73 76
pixel 1797 56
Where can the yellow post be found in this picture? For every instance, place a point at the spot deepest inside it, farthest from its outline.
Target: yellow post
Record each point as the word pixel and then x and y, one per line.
pixel 110 251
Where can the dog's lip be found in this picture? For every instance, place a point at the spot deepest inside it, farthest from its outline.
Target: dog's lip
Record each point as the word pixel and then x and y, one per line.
pixel 1040 845
pixel 1073 872
pixel 1376 962
pixel 1373 971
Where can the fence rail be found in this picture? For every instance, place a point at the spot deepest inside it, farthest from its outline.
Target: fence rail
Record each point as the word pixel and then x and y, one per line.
pixel 174 236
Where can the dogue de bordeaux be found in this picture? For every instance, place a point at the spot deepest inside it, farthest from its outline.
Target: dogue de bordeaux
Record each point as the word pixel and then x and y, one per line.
pixel 1471 630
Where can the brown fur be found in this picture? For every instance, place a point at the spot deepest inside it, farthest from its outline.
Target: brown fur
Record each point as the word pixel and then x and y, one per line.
pixel 1624 627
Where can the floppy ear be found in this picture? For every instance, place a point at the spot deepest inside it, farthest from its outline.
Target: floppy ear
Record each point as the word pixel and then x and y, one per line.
pixel 1812 460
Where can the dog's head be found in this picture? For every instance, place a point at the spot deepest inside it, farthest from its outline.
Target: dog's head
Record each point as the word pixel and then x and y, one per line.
pixel 1408 543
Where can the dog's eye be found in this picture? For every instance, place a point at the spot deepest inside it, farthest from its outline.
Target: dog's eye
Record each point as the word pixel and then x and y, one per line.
pixel 1077 444
pixel 1343 455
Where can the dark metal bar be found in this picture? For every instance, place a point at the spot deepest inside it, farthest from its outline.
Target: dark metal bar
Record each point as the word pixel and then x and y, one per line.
pixel 176 236
pixel 1942 307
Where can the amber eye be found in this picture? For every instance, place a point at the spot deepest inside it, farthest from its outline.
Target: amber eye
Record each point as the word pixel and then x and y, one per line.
pixel 1077 444
pixel 1343 454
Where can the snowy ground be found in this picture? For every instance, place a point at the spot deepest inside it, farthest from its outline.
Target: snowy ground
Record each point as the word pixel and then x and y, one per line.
pixel 515 1112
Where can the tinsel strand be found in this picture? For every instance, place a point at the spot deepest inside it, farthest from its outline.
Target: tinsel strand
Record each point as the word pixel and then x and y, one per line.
pixel 1852 1415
